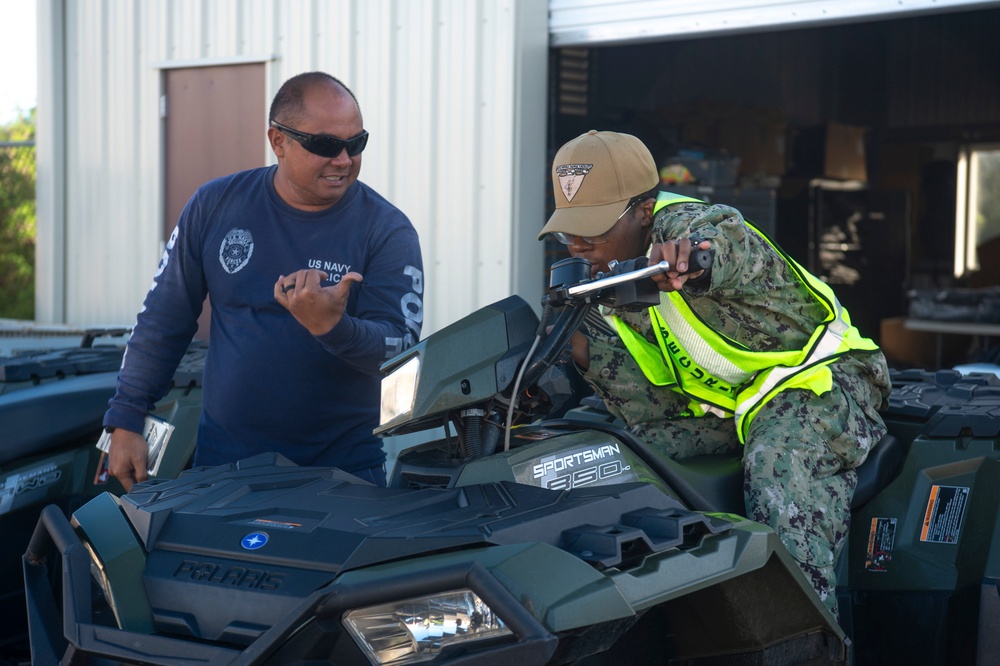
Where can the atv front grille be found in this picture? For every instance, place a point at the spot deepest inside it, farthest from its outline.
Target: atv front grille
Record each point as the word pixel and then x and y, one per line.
pixel 418 481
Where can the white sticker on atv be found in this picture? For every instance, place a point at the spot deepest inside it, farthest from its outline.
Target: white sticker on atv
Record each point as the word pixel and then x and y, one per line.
pixel 943 515
pixel 581 466
pixel 881 539
pixel 16 485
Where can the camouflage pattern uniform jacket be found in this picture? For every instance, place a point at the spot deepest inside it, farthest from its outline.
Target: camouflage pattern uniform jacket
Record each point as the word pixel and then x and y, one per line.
pixel 801 447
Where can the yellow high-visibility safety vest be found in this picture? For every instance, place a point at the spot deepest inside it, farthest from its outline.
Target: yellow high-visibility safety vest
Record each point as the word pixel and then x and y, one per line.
pixel 720 376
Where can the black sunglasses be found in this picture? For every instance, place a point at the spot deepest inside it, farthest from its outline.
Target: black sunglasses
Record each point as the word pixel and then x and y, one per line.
pixel 325 145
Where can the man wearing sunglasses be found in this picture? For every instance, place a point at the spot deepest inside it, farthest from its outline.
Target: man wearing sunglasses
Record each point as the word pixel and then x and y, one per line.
pixel 314 281
pixel 754 352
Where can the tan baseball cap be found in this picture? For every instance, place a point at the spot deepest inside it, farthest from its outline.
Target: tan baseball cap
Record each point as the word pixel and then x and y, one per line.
pixel 593 178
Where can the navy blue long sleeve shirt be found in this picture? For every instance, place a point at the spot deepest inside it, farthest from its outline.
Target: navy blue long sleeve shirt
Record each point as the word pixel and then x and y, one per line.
pixel 270 385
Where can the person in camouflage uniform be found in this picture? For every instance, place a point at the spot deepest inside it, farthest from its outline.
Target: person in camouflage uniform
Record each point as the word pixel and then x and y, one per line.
pixel 801 445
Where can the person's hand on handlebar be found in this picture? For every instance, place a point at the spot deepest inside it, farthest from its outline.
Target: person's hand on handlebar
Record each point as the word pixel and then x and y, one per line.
pixel 677 253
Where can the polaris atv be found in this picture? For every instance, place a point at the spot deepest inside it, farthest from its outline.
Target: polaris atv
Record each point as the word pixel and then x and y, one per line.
pixel 52 403
pixel 515 539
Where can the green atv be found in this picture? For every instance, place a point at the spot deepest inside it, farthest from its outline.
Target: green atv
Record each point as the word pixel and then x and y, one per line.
pixel 529 530
pixel 52 404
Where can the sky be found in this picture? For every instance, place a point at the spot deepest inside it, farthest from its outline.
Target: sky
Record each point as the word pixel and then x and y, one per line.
pixel 18 58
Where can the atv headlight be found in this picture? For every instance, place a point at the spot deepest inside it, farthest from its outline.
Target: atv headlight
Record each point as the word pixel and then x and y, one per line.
pixel 415 630
pixel 398 390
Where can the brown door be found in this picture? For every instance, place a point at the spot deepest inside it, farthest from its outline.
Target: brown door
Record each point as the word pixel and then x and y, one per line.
pixel 214 125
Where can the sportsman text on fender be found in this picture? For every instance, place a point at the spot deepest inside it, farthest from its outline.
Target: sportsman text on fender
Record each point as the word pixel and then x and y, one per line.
pixel 564 462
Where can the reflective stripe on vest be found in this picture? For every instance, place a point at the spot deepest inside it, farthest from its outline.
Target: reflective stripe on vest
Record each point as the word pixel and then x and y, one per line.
pixel 667 198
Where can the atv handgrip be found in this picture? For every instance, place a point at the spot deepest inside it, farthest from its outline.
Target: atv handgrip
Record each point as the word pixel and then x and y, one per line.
pixel 699 260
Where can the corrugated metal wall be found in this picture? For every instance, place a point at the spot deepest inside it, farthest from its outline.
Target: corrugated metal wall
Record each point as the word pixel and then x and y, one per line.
pixel 454 91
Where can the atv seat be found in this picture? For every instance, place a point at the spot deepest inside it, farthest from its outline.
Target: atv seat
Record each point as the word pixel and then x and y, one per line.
pixel 715 482
pixel 878 469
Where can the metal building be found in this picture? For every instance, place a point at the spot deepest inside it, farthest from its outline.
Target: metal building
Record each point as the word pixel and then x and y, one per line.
pixel 138 99
pixel 452 92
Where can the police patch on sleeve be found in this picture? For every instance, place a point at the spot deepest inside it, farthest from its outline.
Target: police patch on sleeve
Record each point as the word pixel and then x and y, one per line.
pixel 236 249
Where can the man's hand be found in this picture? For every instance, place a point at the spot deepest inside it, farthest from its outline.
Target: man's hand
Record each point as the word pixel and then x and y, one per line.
pixel 317 308
pixel 677 253
pixel 127 457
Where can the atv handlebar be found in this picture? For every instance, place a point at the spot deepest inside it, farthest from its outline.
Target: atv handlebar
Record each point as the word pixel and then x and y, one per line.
pixel 625 286
pixel 615 280
pixel 570 283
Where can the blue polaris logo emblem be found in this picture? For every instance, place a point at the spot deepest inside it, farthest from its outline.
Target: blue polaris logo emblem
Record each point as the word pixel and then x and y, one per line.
pixel 254 540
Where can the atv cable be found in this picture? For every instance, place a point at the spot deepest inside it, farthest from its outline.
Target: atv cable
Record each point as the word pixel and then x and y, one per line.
pixel 539 332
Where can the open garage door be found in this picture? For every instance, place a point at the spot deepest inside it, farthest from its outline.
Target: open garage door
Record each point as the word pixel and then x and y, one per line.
pixel 603 22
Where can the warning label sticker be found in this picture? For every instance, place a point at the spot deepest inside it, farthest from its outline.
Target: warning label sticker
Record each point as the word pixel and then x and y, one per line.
pixel 944 513
pixel 881 536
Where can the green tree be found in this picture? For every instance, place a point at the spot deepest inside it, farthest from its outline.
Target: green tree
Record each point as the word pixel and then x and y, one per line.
pixel 17 218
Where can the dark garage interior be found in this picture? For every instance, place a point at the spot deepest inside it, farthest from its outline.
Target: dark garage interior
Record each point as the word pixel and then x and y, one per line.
pixel 848 139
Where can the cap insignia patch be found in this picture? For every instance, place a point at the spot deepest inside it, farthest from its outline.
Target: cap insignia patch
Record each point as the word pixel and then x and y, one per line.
pixel 571 178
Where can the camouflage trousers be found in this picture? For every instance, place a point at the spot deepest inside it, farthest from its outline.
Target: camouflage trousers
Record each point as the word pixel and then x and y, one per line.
pixel 798 466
